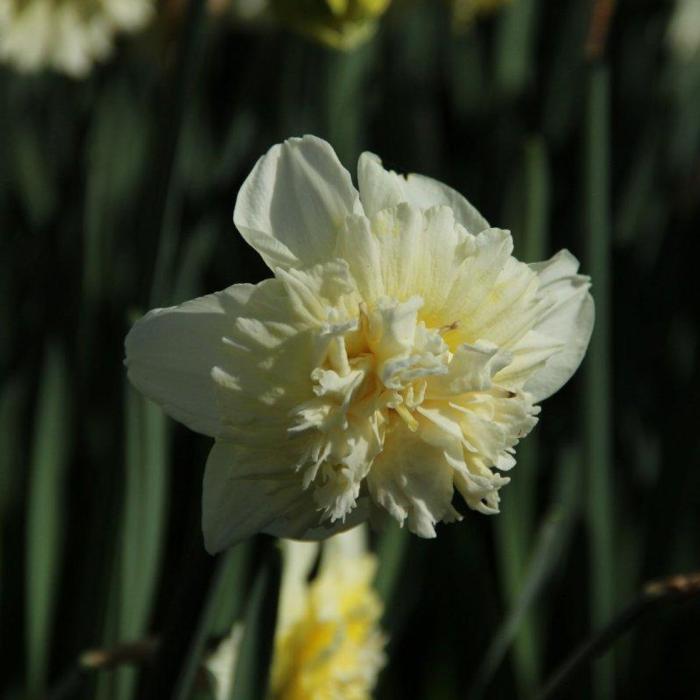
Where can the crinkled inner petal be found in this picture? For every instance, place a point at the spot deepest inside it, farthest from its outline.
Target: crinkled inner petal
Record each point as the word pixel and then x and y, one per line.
pixel 412 480
pixel 381 189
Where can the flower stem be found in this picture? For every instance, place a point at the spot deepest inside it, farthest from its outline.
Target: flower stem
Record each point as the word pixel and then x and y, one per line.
pixel 597 436
pixel 681 587
pixel 167 196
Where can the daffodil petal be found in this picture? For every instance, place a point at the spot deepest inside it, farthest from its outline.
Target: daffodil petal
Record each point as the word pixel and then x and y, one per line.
pixel 348 545
pixel 298 560
pixel 305 526
pixel 568 321
pixel 170 354
pixel 425 192
pixel 294 201
pixel 413 482
pixel 328 643
pixel 380 188
pixel 249 490
pixel 243 493
pixel 404 251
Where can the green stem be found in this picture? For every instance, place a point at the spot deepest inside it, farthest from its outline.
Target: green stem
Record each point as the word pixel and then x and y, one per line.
pixel 674 588
pixel 597 394
pixel 515 526
pixel 193 658
pixel 547 550
pixel 167 195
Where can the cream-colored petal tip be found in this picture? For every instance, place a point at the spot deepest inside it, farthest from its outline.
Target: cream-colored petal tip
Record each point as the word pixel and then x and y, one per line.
pixel 381 188
pixel 293 202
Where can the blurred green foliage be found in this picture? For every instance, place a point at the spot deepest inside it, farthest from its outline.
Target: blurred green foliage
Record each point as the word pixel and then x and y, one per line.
pixel 116 193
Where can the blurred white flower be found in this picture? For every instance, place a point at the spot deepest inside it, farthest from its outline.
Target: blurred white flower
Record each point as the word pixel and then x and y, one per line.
pixel 249 10
pixel 398 353
pixel 65 35
pixel 328 643
pixel 684 29
pixel 222 663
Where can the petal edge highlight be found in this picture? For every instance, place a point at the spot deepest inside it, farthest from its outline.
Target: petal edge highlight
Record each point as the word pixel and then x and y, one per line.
pixel 294 201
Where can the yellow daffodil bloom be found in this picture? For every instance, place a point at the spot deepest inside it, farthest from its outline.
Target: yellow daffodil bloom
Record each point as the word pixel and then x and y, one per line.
pixel 397 354
pixel 65 35
pixel 328 643
pixel 341 24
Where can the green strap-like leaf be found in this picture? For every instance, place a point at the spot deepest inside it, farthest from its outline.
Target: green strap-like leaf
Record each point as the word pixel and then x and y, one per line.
pixel 46 514
pixel 254 657
pixel 596 397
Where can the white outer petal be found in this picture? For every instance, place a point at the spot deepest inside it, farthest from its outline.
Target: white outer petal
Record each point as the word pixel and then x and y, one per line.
pixel 294 201
pixel 171 352
pixel 243 493
pixel 380 189
pixel 298 559
pixel 307 528
pixel 247 491
pixel 569 321
pixel 351 544
pixel 222 663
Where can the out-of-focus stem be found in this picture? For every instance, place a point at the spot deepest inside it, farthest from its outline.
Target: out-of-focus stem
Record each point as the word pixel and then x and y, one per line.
pixel 599 27
pixel 166 196
pixel 597 390
pixel 515 525
pixel 657 592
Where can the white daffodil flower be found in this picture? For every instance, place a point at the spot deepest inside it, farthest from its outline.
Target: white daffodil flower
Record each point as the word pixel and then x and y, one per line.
pixel 328 643
pixel 398 353
pixel 67 35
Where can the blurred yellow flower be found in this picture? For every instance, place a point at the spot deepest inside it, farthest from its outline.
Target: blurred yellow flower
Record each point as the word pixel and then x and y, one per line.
pixel 397 355
pixel 465 11
pixel 65 35
pixel 328 643
pixel 341 24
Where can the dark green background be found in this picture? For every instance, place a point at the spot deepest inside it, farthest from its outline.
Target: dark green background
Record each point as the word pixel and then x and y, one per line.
pixel 116 195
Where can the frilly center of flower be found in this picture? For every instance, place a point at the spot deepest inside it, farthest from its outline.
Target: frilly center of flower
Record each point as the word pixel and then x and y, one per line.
pixel 378 363
pixel 374 374
pixel 394 403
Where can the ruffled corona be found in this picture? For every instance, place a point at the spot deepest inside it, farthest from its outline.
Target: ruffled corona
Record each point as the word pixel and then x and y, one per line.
pixel 397 356
pixel 65 35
